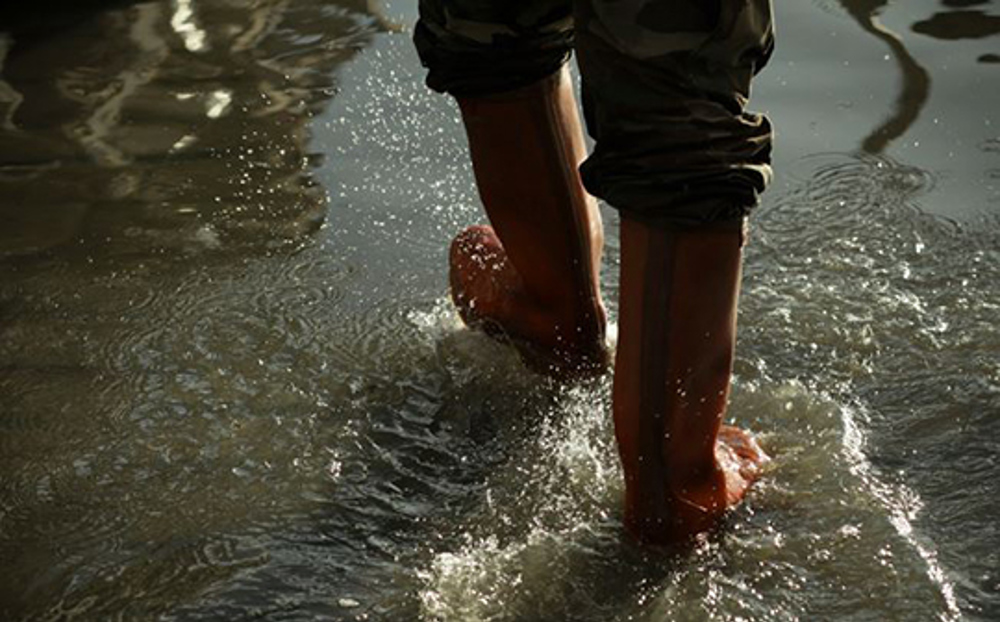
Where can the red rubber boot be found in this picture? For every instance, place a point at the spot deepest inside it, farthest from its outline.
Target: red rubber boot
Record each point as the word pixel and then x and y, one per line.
pixel 533 276
pixel 677 330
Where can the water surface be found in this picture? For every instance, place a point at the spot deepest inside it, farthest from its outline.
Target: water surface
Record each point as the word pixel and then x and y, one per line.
pixel 232 387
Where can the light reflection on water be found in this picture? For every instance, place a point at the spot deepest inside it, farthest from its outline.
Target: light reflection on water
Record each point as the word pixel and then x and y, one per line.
pixel 232 385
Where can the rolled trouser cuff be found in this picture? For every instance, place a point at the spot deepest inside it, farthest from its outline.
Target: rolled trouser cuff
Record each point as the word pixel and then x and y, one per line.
pixel 674 143
pixel 473 48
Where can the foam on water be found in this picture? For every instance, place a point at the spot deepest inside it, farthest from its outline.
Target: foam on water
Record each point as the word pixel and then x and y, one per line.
pixel 541 543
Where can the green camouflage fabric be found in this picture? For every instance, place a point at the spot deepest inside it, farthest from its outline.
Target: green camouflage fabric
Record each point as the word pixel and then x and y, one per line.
pixel 665 87
pixel 478 47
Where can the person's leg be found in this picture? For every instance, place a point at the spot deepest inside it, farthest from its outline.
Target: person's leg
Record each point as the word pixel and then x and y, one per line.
pixel 683 163
pixel 533 276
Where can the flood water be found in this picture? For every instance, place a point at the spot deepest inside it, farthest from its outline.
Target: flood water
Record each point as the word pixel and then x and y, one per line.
pixel 232 386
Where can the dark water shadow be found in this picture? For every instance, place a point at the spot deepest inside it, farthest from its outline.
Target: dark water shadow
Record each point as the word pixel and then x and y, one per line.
pixel 916 81
pixel 955 25
pixel 961 4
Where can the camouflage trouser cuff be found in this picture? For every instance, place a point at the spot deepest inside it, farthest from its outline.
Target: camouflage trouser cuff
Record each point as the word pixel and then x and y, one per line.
pixel 665 84
pixel 469 51
pixel 664 97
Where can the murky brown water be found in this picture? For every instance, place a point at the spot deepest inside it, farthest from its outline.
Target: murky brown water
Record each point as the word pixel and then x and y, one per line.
pixel 231 386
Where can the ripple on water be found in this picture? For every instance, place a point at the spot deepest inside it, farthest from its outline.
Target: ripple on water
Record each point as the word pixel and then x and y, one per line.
pixel 394 463
pixel 853 288
pixel 198 409
pixel 841 190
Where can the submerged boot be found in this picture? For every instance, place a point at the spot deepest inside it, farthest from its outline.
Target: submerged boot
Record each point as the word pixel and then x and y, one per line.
pixel 533 276
pixel 677 330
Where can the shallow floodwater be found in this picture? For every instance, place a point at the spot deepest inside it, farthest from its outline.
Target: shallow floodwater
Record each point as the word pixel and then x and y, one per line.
pixel 232 386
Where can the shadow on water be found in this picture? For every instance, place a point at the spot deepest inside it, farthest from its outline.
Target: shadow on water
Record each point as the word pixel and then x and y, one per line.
pixel 962 24
pixel 916 81
pixel 955 25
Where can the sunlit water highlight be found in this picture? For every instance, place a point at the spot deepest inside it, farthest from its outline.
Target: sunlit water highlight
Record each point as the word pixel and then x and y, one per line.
pixel 233 386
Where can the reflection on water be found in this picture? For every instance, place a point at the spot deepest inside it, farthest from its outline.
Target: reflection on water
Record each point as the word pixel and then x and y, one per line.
pixel 959 25
pixel 213 408
pixel 915 78
pixel 916 81
pixel 140 112
pixel 149 152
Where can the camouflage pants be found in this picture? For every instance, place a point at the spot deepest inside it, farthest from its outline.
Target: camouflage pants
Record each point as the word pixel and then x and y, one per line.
pixel 665 86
